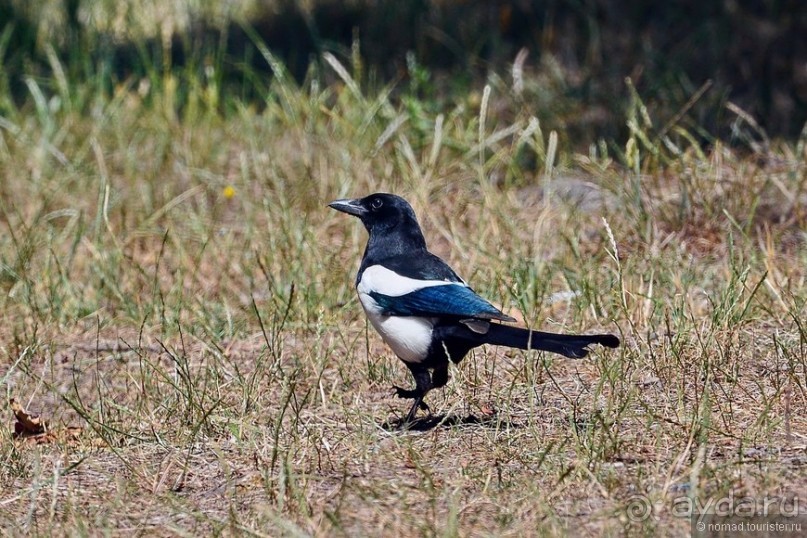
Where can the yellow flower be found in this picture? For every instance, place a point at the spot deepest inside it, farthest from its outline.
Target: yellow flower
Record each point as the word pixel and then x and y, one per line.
pixel 228 192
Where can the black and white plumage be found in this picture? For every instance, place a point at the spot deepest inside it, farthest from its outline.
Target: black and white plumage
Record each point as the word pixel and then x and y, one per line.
pixel 425 312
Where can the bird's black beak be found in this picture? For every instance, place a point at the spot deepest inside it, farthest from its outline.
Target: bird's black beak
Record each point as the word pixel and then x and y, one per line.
pixel 351 207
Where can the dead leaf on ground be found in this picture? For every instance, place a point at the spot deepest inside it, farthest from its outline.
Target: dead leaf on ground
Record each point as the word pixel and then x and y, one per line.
pixel 28 424
pixel 31 427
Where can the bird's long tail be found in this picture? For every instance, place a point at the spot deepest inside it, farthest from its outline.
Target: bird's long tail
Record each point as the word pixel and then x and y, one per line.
pixel 570 345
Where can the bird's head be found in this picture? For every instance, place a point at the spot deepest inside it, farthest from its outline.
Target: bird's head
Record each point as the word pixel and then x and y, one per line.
pixel 379 212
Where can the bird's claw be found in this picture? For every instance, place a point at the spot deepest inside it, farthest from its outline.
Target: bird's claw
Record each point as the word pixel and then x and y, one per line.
pixel 401 392
pixel 410 394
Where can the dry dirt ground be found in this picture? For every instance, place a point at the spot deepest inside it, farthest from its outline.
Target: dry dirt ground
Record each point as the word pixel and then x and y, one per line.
pixel 293 436
pixel 207 348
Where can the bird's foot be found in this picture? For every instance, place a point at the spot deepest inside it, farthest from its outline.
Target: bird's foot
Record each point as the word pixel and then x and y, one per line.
pixel 401 392
pixel 410 394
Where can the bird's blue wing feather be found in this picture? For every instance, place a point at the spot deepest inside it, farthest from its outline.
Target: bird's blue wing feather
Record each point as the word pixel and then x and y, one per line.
pixel 448 300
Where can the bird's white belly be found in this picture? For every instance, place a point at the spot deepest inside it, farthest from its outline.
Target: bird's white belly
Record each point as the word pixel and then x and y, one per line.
pixel 408 336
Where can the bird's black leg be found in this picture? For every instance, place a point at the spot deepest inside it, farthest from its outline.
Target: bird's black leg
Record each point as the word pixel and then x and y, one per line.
pixel 423 384
pixel 440 376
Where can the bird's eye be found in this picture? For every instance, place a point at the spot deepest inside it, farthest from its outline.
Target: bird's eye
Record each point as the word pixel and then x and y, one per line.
pixel 376 204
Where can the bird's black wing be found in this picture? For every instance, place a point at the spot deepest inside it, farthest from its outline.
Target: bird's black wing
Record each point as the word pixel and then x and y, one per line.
pixel 433 298
pixel 422 266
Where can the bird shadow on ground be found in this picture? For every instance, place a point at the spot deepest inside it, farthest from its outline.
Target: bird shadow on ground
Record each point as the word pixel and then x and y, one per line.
pixel 447 421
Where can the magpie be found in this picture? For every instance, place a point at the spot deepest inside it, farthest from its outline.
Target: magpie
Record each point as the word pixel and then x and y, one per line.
pixel 423 310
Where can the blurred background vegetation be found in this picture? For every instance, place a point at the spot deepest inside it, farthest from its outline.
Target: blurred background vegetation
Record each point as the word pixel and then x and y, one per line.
pixel 687 59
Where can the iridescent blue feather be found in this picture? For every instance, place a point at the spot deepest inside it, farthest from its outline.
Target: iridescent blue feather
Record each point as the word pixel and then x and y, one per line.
pixel 447 300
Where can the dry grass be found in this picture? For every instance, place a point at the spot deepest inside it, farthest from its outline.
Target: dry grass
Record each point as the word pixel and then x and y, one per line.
pixel 213 349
